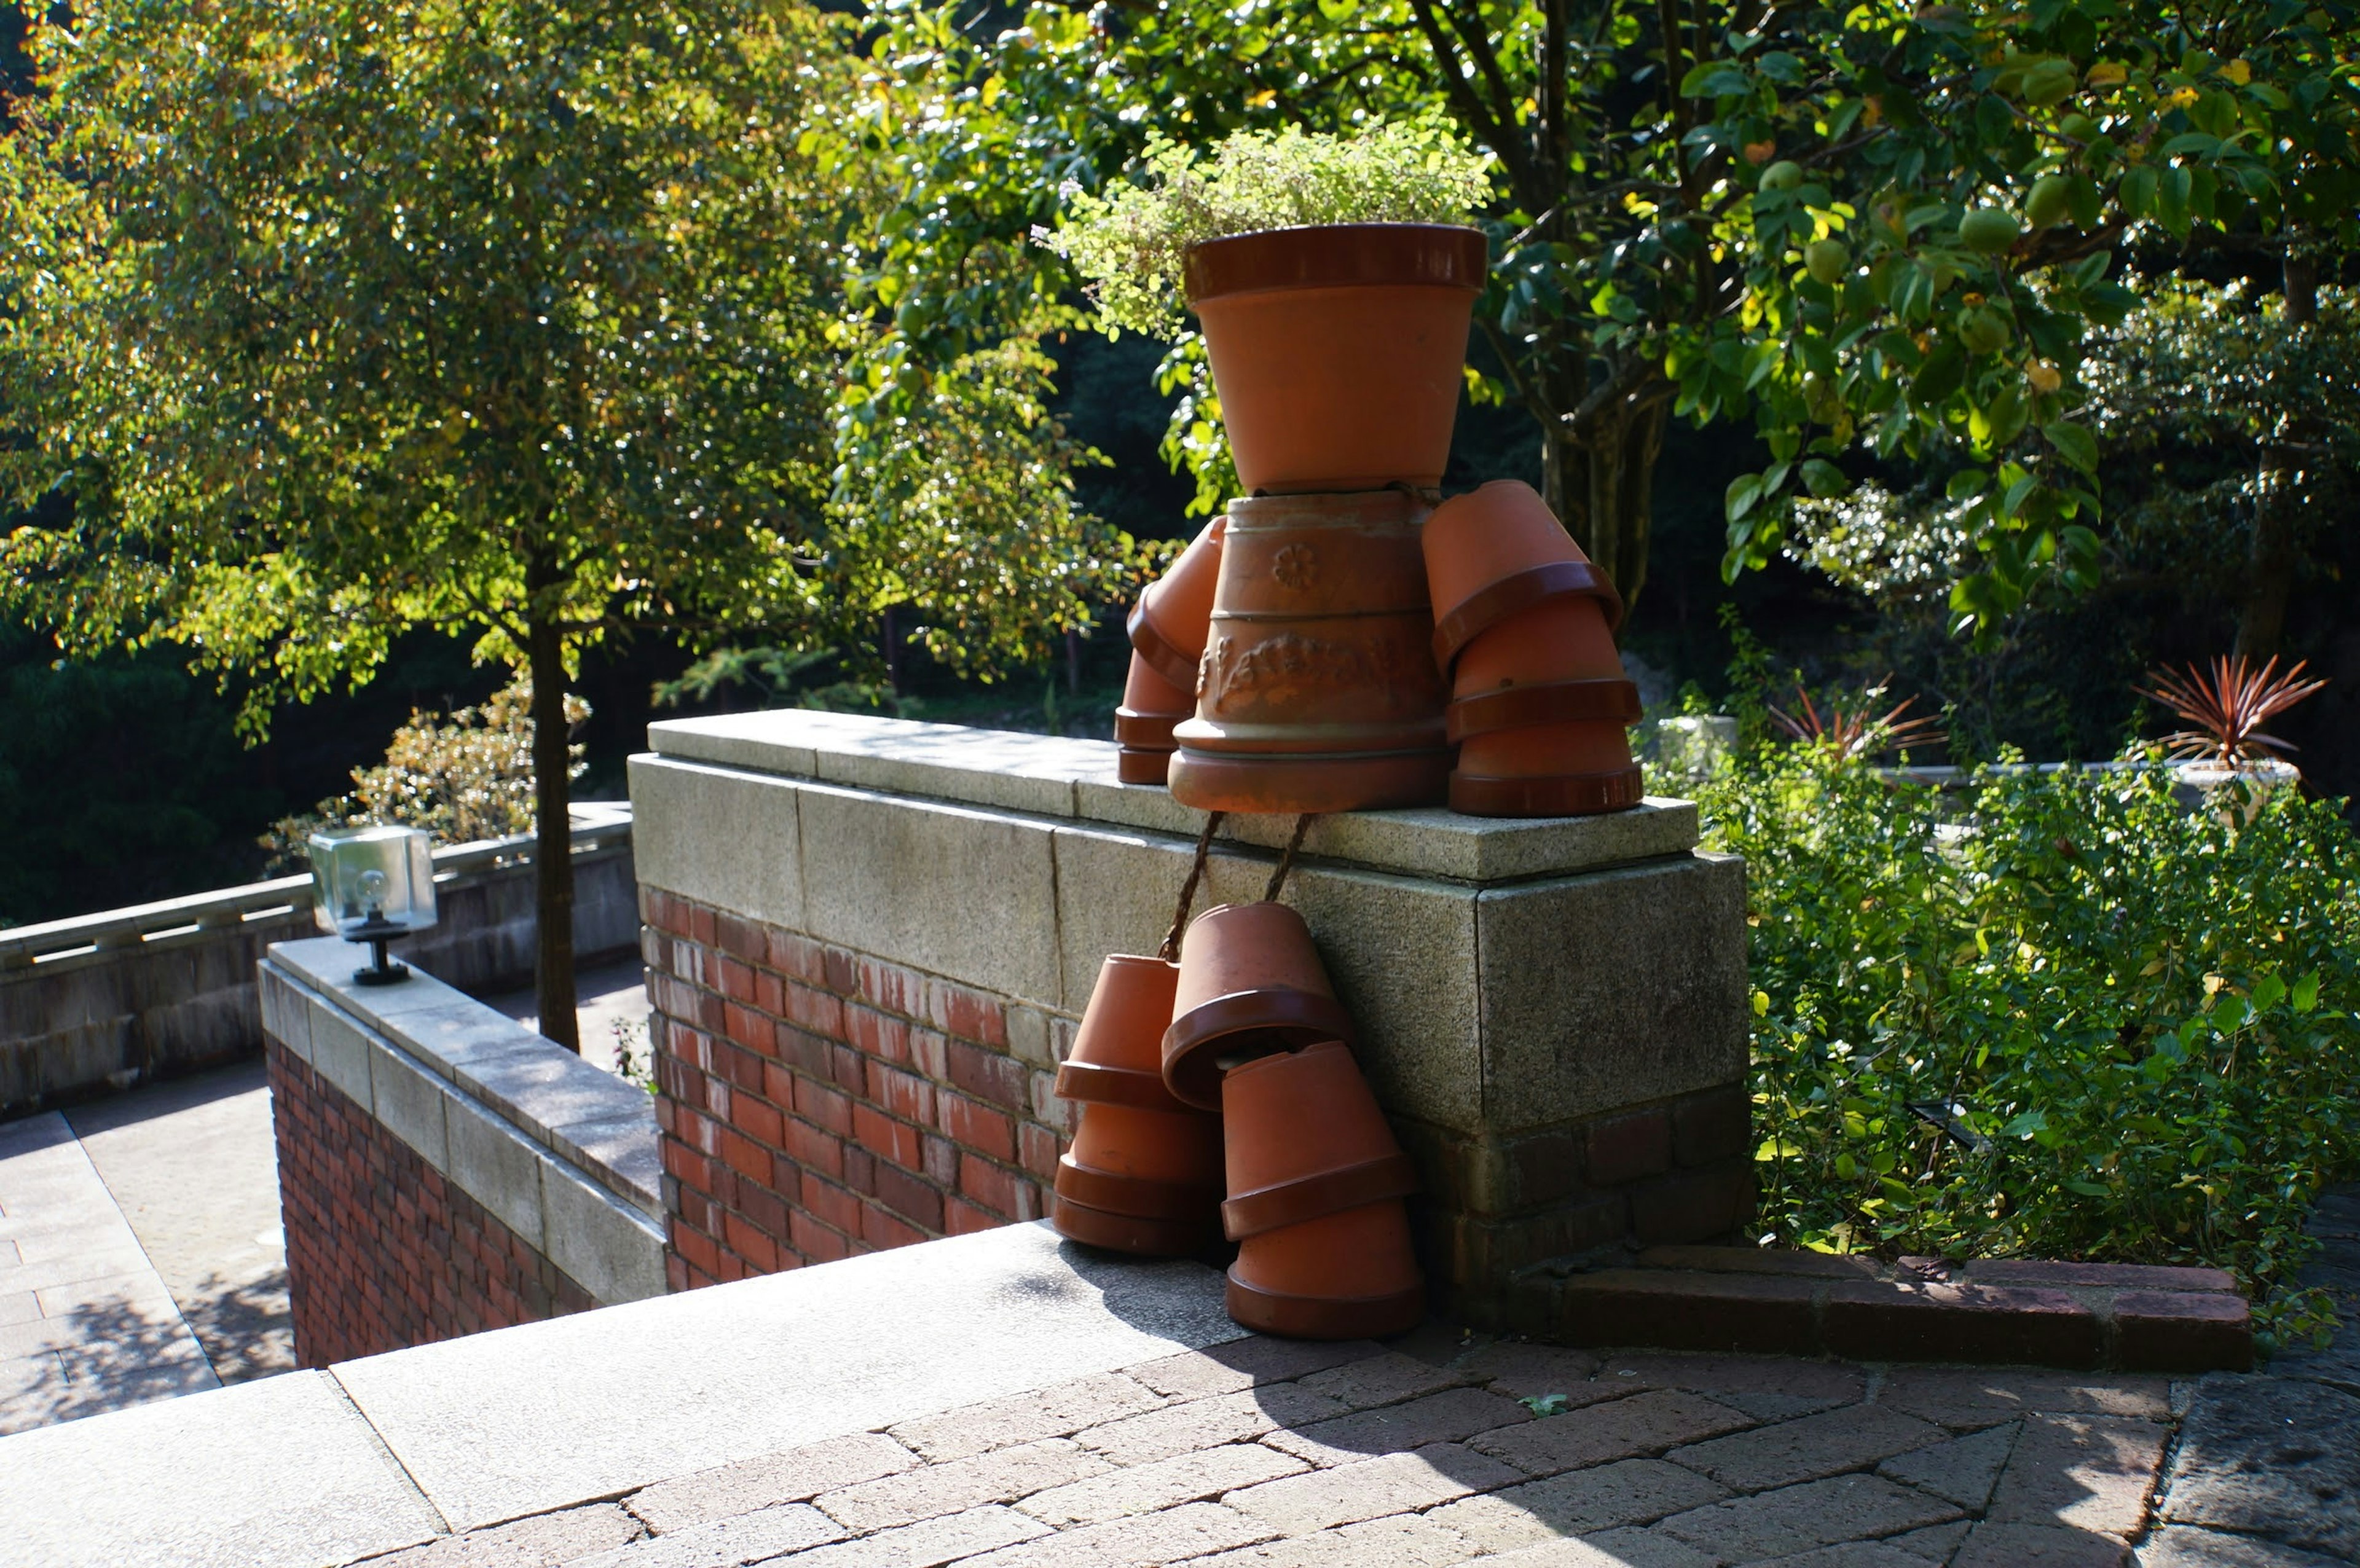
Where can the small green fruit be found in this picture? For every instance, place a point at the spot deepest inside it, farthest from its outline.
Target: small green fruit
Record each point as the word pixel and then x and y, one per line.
pixel 1829 260
pixel 1989 230
pixel 1784 175
pixel 1984 331
pixel 2051 194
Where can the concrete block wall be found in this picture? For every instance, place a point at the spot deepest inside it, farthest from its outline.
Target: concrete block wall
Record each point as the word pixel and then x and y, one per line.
pixel 442 1169
pixel 869 943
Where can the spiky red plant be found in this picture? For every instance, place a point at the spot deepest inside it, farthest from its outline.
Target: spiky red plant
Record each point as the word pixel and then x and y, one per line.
pixel 2227 705
pixel 1853 730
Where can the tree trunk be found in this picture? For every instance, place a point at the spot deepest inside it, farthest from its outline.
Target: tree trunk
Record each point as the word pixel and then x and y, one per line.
pixel 2270 564
pixel 553 837
pixel 1601 481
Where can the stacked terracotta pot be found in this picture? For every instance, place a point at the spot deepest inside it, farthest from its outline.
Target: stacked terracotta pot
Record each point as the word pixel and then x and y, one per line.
pixel 1256 1084
pixel 1525 627
pixel 1167 631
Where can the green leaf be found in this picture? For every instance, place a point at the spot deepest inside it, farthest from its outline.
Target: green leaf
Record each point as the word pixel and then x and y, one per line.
pixel 2074 443
pixel 1824 479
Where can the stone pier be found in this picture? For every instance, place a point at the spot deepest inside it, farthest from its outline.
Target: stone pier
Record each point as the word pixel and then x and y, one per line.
pixel 869 941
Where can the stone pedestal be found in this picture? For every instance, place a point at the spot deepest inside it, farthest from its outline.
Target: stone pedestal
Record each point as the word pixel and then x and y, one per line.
pixel 869 941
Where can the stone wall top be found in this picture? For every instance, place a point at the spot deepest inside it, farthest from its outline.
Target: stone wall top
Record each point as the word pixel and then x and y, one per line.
pixel 1075 780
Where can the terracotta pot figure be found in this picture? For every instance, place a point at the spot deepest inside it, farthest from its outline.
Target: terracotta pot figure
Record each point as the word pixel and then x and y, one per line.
pixel 1318 691
pixel 1251 983
pixel 1143 725
pixel 1167 624
pixel 1316 1183
pixel 1338 349
pixel 1144 1173
pixel 1525 623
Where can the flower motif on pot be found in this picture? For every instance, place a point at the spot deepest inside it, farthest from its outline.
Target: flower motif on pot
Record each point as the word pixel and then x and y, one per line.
pixel 1296 566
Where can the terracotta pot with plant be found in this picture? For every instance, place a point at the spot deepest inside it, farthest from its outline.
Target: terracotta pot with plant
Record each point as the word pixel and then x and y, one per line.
pixel 1526 627
pixel 2227 757
pixel 1144 1173
pixel 1335 282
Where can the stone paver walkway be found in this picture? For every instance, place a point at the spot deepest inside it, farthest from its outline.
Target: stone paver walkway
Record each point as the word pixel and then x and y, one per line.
pixel 1266 1453
pixel 86 1323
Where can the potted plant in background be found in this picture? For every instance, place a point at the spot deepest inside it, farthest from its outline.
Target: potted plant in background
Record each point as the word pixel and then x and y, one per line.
pixel 1334 277
pixel 2226 749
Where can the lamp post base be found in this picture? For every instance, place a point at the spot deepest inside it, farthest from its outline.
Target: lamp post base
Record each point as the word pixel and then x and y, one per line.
pixel 382 970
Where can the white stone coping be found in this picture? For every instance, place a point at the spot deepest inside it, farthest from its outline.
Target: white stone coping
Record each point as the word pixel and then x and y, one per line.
pixel 373 1455
pixel 1075 780
pixel 562 1152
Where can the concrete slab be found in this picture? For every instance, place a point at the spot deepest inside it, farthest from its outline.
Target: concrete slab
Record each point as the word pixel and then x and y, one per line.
pixel 539 1417
pixel 277 1474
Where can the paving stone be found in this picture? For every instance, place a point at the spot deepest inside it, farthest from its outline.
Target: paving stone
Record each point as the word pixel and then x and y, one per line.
pixel 2185 1546
pixel 1401 1541
pixel 1245 1364
pixel 2004 1545
pixel 1144 1488
pixel 1964 1469
pixel 1383 1380
pixel 1635 1491
pixel 1643 1424
pixel 1936 1542
pixel 1615 1549
pixel 1398 1482
pixel 1176 1535
pixel 1852 1554
pixel 1204 1423
pixel 1522 1369
pixel 2270 1457
pixel 2085 1473
pixel 543 1541
pixel 1797 1519
pixel 1056 1412
pixel 926 1544
pixel 1968 1397
pixel 1000 1477
pixel 1446 1417
pixel 1807 1449
pixel 725 1543
pixel 1772 1388
pixel 795 1477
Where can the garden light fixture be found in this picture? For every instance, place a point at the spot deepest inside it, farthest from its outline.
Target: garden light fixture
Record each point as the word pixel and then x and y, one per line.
pixel 372 885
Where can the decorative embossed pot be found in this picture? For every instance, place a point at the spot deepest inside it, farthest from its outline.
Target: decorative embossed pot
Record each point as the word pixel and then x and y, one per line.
pixel 1318 691
pixel 1338 349
pixel 1525 623
pixel 1251 983
pixel 1167 624
pixel 1143 725
pixel 1316 1184
pixel 1144 1173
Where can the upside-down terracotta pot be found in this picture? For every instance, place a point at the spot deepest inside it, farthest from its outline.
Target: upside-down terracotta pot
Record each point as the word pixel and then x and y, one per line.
pixel 1143 725
pixel 1167 624
pixel 1316 1184
pixel 1539 703
pixel 1337 350
pixel 1144 1173
pixel 1251 983
pixel 1318 690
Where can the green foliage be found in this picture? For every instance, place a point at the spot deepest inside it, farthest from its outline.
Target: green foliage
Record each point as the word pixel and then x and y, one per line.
pixel 465 778
pixel 1922 135
pixel 1128 247
pixel 2061 1015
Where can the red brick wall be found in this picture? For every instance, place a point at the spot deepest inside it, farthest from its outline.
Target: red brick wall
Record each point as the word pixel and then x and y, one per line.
pixel 816 1103
pixel 381 1252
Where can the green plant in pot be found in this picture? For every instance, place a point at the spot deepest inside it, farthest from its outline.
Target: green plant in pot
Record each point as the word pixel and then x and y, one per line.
pixel 1334 277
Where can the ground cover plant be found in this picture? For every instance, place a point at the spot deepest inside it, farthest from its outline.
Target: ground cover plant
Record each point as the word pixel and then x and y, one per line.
pixel 2083 1020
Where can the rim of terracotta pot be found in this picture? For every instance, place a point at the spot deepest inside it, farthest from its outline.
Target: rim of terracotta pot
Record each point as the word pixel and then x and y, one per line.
pixel 1323 1317
pixel 1317 1195
pixel 1129 1232
pixel 1564 795
pixel 1142 1196
pixel 1289 1018
pixel 1516 593
pixel 1266 782
pixel 1158 651
pixel 1330 256
pixel 1603 699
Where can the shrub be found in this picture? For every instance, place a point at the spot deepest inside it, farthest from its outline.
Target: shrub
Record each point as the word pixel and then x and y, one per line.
pixel 1128 246
pixel 2079 1021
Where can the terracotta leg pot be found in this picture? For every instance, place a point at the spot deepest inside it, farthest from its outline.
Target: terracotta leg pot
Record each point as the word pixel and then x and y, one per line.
pixel 1143 725
pixel 1318 690
pixel 1144 1173
pixel 1316 1186
pixel 1251 983
pixel 1167 624
pixel 1338 349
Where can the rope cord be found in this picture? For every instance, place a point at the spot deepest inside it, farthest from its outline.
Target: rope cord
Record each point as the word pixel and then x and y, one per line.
pixel 1287 861
pixel 1170 951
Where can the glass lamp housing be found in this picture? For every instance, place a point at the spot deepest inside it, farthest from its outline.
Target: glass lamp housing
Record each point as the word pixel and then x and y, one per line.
pixel 374 882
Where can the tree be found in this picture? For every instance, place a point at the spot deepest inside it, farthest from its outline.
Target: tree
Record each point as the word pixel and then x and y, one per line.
pixel 331 318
